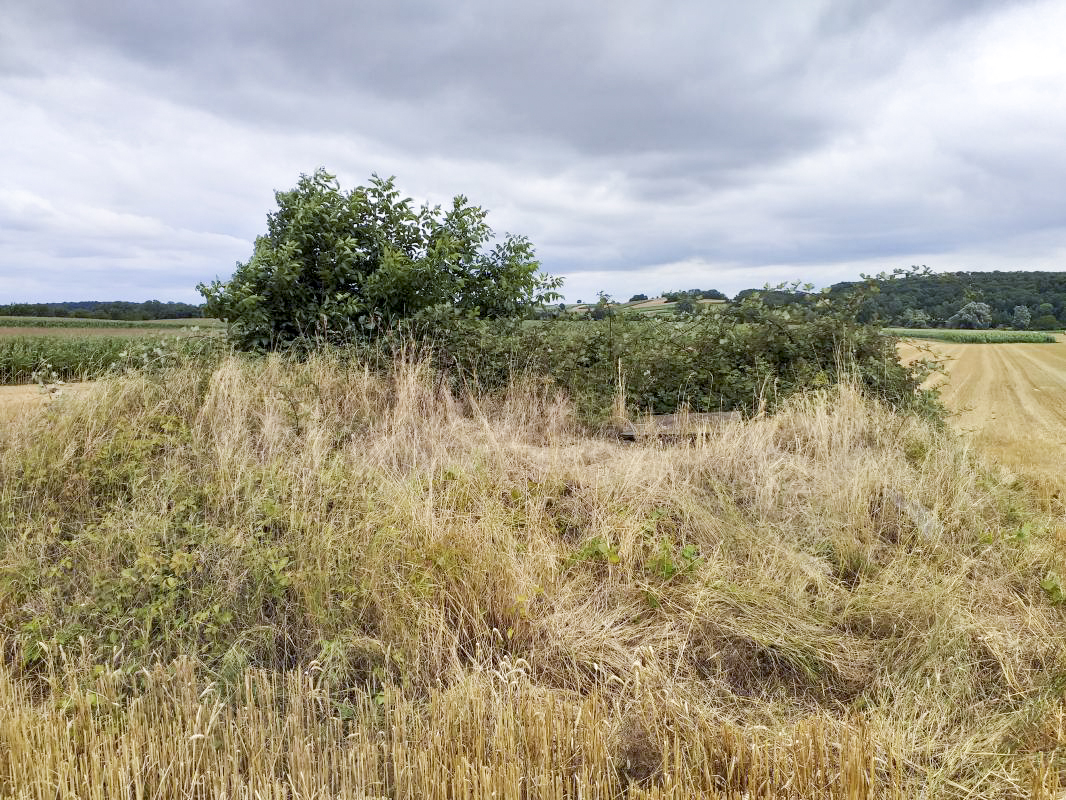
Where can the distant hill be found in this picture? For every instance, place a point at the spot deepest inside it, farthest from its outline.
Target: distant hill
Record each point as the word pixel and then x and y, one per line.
pixel 96 309
pixel 903 299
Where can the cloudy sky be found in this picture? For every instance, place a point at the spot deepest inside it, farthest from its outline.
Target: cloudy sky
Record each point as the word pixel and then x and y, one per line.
pixel 641 145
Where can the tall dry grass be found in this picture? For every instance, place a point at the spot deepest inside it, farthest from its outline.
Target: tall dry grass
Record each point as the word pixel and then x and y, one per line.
pixel 315 580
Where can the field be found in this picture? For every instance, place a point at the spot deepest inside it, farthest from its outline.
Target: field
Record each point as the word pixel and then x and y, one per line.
pixel 109 324
pixel 1011 398
pixel 653 307
pixel 658 305
pixel 960 336
pixel 262 578
pixel 76 350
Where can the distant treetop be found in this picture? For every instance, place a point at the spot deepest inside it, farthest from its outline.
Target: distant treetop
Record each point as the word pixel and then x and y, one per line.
pixel 918 294
pixel 96 309
pixel 694 294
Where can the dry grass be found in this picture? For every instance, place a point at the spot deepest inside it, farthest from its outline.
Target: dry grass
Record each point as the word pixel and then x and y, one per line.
pixel 17 401
pixel 314 581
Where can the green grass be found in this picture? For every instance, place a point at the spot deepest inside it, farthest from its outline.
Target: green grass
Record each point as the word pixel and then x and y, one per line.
pixel 973 337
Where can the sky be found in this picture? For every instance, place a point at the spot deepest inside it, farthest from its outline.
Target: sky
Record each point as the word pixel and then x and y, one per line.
pixel 641 145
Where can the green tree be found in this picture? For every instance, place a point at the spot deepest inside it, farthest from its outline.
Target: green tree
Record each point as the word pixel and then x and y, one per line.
pixel 973 315
pixel 336 265
pixel 913 318
pixel 686 305
pixel 1023 317
pixel 603 308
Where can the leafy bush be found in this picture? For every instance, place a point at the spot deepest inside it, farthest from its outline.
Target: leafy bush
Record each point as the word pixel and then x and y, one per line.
pixel 747 356
pixel 339 265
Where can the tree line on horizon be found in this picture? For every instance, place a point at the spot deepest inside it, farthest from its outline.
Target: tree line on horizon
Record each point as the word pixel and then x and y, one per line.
pixel 97 309
pixel 915 298
pixel 920 298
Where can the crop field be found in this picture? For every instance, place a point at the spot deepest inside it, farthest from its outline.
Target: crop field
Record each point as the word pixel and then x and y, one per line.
pixel 85 323
pixel 1011 398
pixel 658 305
pixel 960 336
pixel 85 350
pixel 653 307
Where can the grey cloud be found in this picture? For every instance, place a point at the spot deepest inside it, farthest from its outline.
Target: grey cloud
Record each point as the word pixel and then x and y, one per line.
pixel 621 136
pixel 602 78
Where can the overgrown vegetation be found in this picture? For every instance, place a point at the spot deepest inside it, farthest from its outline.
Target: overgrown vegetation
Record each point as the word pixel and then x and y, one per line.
pixel 72 357
pixel 321 578
pixel 387 555
pixel 366 270
pixel 745 356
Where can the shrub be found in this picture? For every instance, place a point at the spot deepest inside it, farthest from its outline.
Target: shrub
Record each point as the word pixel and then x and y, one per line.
pixel 746 356
pixel 337 265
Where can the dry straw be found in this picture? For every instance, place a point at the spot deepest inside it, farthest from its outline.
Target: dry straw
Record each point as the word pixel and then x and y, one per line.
pixel 314 580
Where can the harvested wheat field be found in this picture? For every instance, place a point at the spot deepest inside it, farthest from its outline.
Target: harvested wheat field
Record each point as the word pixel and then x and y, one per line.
pixel 16 401
pixel 1011 399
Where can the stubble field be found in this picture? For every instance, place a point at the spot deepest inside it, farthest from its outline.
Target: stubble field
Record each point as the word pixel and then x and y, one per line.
pixel 1011 398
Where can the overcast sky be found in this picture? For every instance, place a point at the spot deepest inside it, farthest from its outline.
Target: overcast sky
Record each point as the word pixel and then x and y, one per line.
pixel 642 145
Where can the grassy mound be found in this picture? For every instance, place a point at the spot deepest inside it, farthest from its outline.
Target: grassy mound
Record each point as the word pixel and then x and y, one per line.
pixel 311 580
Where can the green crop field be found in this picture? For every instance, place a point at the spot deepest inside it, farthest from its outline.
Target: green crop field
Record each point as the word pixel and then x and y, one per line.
pixel 82 353
pixel 973 337
pixel 77 322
